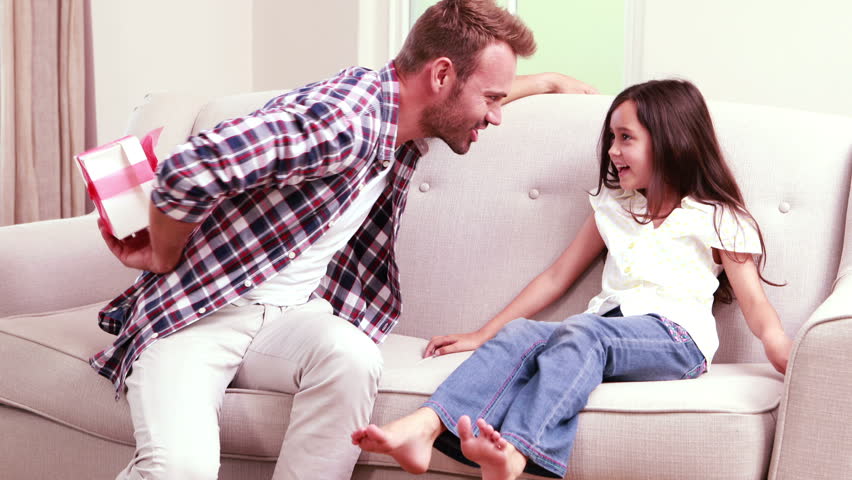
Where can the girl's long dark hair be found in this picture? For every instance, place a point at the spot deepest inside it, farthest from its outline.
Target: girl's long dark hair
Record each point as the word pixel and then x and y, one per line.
pixel 687 160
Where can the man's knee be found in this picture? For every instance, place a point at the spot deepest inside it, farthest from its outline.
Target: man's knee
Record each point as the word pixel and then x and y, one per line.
pixel 355 355
pixel 360 355
pixel 177 462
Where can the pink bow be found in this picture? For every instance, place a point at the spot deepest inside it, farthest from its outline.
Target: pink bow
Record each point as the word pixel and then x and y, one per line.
pixel 124 179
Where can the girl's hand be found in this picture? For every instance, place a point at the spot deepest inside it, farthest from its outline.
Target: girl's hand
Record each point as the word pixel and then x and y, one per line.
pixel 460 342
pixel 777 346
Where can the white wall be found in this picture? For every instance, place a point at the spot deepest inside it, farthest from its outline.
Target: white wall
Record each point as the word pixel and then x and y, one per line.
pixel 766 52
pixel 202 46
pixel 216 47
pixel 301 41
pixel 380 25
pixel 771 52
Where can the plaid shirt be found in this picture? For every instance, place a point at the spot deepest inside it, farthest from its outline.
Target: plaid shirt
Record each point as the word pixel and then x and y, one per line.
pixel 266 186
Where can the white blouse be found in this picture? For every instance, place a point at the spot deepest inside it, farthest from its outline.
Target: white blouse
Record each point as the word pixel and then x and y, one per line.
pixel 668 270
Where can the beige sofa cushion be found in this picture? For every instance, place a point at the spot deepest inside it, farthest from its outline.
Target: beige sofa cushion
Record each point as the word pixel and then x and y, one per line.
pixel 728 388
pixel 45 358
pixel 33 283
pixel 479 227
pixel 734 406
pixel 46 372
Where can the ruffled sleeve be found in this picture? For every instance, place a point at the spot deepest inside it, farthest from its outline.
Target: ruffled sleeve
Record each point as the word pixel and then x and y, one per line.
pixel 736 233
pixel 601 199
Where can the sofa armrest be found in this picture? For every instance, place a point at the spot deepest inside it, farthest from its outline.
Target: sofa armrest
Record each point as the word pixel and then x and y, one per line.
pixel 57 264
pixel 812 438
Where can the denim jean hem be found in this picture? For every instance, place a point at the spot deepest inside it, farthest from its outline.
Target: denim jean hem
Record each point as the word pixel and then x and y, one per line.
pixel 445 417
pixel 449 446
pixel 533 455
pixel 546 466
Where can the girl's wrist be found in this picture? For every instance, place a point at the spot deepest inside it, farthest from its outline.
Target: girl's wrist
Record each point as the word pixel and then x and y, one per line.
pixel 488 331
pixel 484 334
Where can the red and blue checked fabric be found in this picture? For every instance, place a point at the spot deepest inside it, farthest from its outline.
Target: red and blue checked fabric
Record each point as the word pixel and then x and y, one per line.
pixel 265 187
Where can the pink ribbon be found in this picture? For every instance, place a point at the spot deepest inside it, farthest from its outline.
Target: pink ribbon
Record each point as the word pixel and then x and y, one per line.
pixel 122 180
pixel 148 143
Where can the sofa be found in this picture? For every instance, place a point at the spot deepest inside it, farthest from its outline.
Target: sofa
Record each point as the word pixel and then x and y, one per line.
pixel 476 230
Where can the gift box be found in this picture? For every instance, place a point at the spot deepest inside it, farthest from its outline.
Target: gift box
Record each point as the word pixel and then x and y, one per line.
pixel 119 178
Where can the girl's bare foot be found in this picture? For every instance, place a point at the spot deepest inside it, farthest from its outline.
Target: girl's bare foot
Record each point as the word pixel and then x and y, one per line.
pixel 408 440
pixel 498 459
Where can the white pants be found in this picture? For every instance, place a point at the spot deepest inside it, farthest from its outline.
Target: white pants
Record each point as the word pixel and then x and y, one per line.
pixel 177 385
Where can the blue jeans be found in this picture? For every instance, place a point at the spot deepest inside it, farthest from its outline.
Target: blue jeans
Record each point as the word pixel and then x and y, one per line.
pixel 532 379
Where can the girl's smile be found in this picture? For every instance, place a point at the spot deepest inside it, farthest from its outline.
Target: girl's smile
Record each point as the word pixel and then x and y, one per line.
pixel 630 151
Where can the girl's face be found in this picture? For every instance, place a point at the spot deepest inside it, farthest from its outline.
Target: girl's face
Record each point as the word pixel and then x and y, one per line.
pixel 630 151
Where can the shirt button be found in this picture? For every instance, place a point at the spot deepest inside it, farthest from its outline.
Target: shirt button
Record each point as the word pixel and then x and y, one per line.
pixel 784 207
pixel 155 335
pixel 534 193
pixel 202 310
pixel 424 187
pixel 247 283
pixel 386 163
pixel 292 255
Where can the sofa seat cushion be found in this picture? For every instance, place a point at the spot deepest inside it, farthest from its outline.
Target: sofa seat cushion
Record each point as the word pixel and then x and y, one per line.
pixel 728 388
pixel 725 416
pixel 46 372
pixel 720 425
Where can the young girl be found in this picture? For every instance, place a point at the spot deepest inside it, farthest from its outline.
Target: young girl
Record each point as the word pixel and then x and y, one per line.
pixel 672 219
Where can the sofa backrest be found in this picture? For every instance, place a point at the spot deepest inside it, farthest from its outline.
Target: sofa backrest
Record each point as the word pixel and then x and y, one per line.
pixel 478 227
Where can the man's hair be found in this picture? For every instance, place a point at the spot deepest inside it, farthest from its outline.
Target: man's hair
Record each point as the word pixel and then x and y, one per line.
pixel 459 30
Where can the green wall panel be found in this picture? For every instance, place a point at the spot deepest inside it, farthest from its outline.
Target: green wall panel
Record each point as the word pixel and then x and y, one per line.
pixel 581 38
pixel 584 39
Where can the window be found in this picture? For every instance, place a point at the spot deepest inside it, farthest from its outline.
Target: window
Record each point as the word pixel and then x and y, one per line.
pixel 583 39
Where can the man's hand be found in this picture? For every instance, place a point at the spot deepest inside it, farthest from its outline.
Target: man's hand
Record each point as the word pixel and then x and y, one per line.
pixel 559 83
pixel 461 342
pixel 157 249
pixel 548 82
pixel 133 252
pixel 777 346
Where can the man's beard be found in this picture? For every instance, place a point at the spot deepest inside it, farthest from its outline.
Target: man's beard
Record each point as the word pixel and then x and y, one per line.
pixel 446 121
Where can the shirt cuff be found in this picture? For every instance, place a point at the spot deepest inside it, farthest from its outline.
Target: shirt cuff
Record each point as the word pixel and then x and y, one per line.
pixel 180 209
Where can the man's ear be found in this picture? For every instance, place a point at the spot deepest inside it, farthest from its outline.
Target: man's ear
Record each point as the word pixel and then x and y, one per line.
pixel 442 75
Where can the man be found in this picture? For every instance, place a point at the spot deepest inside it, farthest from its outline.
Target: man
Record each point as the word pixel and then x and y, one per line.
pixel 269 259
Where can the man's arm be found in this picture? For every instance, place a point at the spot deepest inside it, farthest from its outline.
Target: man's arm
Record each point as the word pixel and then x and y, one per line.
pixel 156 249
pixel 549 82
pixel 168 237
pixel 276 147
pixel 273 148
